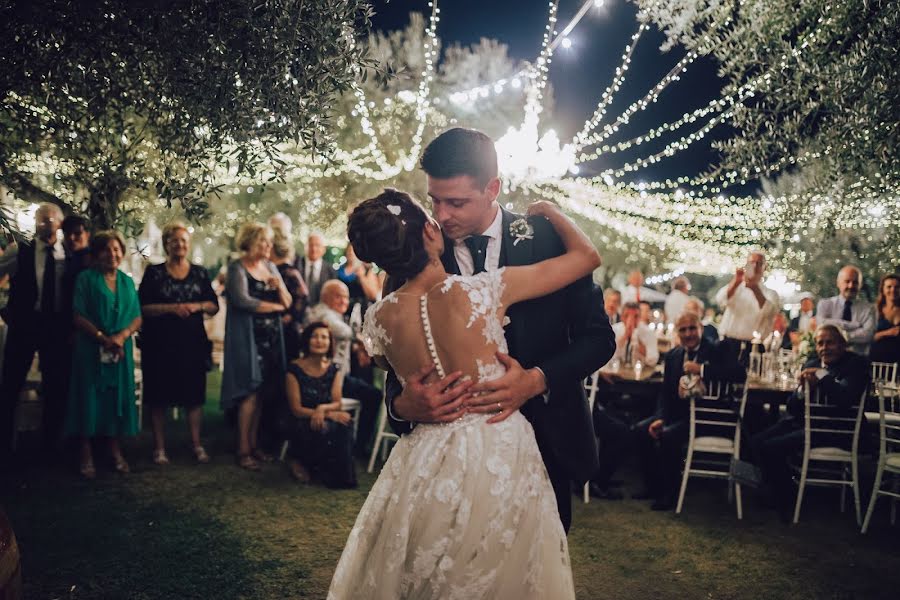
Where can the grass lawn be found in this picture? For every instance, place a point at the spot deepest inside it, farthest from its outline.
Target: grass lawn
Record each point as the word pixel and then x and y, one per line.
pixel 216 531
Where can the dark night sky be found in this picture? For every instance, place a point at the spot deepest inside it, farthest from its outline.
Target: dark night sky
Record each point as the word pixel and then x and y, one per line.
pixel 580 75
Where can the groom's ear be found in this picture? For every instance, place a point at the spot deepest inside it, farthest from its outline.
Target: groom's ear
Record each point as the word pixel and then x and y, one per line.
pixel 493 188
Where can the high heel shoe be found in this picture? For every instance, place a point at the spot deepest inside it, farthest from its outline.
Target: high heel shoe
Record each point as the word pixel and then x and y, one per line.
pixel 121 466
pixel 160 458
pixel 87 470
pixel 201 455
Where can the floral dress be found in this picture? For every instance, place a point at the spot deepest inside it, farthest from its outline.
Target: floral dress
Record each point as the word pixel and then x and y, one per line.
pixel 462 510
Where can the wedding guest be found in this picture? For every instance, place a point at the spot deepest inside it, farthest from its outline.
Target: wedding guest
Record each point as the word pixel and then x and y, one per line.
pixel 175 351
pixel 886 345
pixel 321 434
pixel 750 307
pixel 677 298
pixel 632 292
pixel 842 376
pixel 612 301
pixel 695 306
pixel 253 370
pixel 314 268
pixel 39 320
pixel 282 222
pixel 331 310
pixel 292 320
pixel 662 437
pixel 634 340
pixel 76 241
pixel 803 322
pixel 646 313
pixel 856 317
pixel 361 280
pixel 107 314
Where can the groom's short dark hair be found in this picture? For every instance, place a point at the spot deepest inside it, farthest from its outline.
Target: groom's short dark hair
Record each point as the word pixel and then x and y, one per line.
pixel 460 151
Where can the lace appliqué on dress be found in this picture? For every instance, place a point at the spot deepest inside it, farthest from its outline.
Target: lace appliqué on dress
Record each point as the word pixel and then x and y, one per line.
pixel 484 291
pixel 374 337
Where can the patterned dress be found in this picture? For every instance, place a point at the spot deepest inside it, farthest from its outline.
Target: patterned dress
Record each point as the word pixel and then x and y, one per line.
pixel 327 454
pixel 175 352
pixel 463 510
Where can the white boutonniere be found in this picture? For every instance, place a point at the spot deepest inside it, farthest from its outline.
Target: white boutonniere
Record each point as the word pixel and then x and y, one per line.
pixel 521 230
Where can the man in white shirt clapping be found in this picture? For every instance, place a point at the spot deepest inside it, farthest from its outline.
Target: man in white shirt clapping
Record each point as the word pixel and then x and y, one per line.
pixel 749 305
pixel 634 340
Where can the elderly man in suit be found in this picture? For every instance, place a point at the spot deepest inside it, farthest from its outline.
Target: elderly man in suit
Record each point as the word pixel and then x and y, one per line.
pixel 662 437
pixel 554 342
pixel 314 268
pixel 842 376
pixel 39 321
pixel 854 316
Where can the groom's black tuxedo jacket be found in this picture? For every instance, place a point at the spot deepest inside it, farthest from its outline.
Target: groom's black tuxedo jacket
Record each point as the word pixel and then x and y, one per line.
pixel 566 334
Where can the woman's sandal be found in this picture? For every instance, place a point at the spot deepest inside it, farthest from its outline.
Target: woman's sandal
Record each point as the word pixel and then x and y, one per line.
pixel 298 472
pixel 201 455
pixel 262 456
pixel 87 470
pixel 121 466
pixel 245 461
pixel 160 458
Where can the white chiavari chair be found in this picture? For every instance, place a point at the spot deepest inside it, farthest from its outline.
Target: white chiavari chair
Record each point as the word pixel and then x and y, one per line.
pixel 889 450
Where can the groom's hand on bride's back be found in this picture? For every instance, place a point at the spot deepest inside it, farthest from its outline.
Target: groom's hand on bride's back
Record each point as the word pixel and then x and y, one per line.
pixel 438 401
pixel 507 394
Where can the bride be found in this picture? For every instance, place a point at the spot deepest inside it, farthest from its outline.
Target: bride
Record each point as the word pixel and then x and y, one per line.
pixel 463 509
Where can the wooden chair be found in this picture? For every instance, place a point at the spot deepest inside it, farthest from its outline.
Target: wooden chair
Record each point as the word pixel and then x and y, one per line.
pixel 889 450
pixel 720 414
pixel 830 461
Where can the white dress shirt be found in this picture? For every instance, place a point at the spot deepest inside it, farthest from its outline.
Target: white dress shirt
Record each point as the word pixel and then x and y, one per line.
pixel 804 321
pixel 492 257
pixel 630 294
pixel 860 328
pixel 642 334
pixel 40 256
pixel 743 315
pixel 674 306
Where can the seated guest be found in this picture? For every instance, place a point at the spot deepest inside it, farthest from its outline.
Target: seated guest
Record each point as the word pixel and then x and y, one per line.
pixel 662 437
pixel 331 310
pixel 612 301
pixel 749 305
pixel 646 313
pixel 677 298
pixel 175 352
pixel 107 314
pixel 842 376
pixel 856 317
pixel 321 434
pixel 695 306
pixel 802 323
pixel 634 340
pixel 886 346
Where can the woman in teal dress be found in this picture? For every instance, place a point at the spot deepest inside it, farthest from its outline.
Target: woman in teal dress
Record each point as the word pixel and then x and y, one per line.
pixel 107 314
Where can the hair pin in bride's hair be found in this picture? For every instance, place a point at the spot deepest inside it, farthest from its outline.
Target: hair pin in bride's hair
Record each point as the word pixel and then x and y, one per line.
pixel 393 209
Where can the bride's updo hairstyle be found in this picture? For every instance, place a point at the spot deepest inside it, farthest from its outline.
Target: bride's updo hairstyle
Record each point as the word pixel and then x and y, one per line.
pixel 387 230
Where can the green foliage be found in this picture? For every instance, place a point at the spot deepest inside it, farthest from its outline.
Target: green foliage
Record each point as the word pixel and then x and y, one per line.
pixel 117 103
pixel 831 88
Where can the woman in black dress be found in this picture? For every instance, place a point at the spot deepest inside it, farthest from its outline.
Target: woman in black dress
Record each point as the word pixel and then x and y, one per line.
pixel 292 320
pixel 175 351
pixel 321 434
pixel 886 346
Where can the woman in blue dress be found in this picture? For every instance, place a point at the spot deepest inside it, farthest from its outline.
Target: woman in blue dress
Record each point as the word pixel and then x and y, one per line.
pixel 106 315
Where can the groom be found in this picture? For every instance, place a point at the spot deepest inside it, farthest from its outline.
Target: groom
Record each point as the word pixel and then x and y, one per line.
pixel 554 342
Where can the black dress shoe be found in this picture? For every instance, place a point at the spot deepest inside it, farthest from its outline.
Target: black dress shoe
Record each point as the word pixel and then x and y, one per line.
pixel 605 493
pixel 643 495
pixel 663 504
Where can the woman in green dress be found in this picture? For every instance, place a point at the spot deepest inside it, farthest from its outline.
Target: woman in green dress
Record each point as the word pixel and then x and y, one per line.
pixel 107 314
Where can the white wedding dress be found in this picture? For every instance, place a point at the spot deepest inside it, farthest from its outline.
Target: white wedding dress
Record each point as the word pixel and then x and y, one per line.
pixel 465 509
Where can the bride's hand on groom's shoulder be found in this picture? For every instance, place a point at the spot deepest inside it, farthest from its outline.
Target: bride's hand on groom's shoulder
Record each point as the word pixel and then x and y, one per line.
pixel 507 394
pixel 541 208
pixel 432 402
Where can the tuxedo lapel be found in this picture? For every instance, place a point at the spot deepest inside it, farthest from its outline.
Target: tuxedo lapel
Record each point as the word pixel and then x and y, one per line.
pixel 512 254
pixel 448 258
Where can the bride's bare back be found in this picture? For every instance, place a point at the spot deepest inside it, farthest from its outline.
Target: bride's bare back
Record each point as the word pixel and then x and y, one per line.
pixel 456 326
